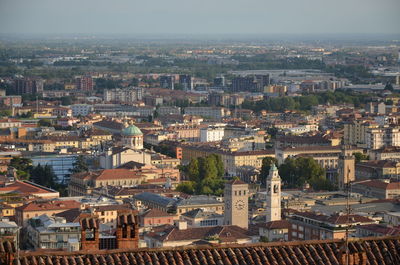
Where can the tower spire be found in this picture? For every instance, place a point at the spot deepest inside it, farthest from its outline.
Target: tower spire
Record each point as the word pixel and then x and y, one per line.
pixel 273 195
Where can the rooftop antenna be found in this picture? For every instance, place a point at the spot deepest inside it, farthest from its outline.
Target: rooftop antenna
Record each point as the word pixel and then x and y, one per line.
pixel 348 211
pixel 37 105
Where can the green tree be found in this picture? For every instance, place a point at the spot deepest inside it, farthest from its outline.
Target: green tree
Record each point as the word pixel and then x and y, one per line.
pixel 360 156
pixel 66 101
pixel 297 171
pixel 266 166
pixel 79 165
pixel 206 174
pixel 23 167
pixel 187 187
pixel 44 175
pixel 193 170
pixel 389 87
pixel 5 113
pixel 44 123
pixel 135 82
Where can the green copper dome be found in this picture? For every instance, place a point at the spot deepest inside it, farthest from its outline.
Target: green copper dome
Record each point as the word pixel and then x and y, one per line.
pixel 273 167
pixel 131 130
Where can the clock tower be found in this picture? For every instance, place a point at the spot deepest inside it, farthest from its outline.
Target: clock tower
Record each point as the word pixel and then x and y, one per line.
pixel 273 195
pixel 236 197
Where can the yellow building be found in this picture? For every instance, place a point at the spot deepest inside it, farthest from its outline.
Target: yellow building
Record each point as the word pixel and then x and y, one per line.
pixel 6 210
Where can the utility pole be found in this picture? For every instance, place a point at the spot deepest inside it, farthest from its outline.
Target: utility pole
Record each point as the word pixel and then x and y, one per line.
pixel 37 105
pixel 348 211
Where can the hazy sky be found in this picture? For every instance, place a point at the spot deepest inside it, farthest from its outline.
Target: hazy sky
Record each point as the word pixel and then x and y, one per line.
pixel 200 16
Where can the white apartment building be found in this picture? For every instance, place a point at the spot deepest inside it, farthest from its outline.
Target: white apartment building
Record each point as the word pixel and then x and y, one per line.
pixel 302 129
pixel 212 134
pixel 214 113
pixel 49 232
pixel 126 95
pixel 81 109
pixel 384 136
pixel 355 132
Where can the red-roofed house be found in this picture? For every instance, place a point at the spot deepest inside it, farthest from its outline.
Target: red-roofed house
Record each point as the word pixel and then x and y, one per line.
pixel 29 189
pixel 155 217
pixel 36 208
pixel 181 235
pixel 311 225
pixel 378 189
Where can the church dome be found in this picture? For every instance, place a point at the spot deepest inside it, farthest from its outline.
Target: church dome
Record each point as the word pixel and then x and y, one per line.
pixel 131 130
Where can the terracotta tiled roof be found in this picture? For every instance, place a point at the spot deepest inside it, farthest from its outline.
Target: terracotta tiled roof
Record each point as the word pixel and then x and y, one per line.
pixel 336 219
pixel 281 224
pixel 25 188
pixel 71 215
pixel 236 182
pixel 155 213
pixel 352 218
pixel 118 174
pixel 49 205
pixel 105 174
pixel 380 184
pixel 314 148
pixel 378 163
pixel 376 251
pixel 112 207
pixel 380 229
pixel 172 233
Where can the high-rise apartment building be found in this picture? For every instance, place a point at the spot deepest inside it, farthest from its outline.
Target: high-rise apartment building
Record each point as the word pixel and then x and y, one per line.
pixel 383 136
pixel 125 95
pixel 219 81
pixel 84 83
pixel 28 85
pixel 167 81
pixel 255 83
pixel 186 81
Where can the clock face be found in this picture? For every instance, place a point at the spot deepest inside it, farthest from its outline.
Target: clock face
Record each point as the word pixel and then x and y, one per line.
pixel 239 204
pixel 227 204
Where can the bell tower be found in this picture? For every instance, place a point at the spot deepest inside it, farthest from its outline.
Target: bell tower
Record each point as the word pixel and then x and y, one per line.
pixel 273 195
pixel 346 167
pixel 236 197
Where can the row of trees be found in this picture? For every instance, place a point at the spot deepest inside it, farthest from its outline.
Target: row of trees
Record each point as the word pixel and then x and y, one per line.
pixel 306 102
pixel 44 174
pixel 205 176
pixel 295 172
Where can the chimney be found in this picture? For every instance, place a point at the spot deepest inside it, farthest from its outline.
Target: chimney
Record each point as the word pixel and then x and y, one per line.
pixel 89 232
pixel 182 225
pixel 127 230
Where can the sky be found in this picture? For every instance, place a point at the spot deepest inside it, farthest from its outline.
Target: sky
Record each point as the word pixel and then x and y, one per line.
pixel 200 17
